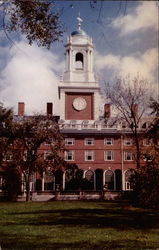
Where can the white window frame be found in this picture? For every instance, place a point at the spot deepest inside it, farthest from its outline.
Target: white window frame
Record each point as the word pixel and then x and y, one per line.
pixel 87 154
pixel 8 156
pixel 52 141
pixel 107 154
pixel 127 183
pixel 47 153
pixel 147 142
pixel 1 182
pixel 89 141
pixel 68 154
pixel 109 141
pixel 25 155
pixel 69 141
pixel 126 153
pixel 128 142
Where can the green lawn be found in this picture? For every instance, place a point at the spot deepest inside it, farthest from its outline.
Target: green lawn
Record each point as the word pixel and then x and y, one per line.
pixel 77 225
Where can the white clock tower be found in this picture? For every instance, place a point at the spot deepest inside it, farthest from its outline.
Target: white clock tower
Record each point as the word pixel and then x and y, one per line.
pixel 78 89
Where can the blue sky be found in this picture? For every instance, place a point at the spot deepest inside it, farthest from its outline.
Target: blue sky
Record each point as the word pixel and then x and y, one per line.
pixel 125 35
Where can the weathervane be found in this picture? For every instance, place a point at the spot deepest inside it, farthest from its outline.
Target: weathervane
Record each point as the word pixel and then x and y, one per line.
pixel 79 19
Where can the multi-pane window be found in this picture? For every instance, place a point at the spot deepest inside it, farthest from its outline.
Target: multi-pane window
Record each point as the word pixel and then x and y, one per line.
pixel 69 141
pixel 8 156
pixel 1 183
pixel 109 155
pixel 49 180
pixel 69 155
pixel 128 156
pixel 89 155
pixel 108 141
pixel 25 156
pixel 147 142
pixel 50 141
pixel 128 142
pixel 124 125
pixel 48 155
pixel 128 181
pixel 89 141
pixel 109 180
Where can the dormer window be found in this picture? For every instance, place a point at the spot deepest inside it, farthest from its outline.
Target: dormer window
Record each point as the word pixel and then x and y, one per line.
pixel 79 61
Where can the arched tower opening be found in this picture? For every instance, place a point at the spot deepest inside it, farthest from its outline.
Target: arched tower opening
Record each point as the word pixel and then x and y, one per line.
pixel 79 64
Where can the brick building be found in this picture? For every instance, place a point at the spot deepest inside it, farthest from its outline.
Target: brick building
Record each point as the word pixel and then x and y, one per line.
pixel 101 147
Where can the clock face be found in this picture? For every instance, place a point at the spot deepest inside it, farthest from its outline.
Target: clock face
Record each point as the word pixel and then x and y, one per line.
pixel 79 103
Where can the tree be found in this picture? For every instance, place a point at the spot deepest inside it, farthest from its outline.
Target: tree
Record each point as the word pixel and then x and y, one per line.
pixel 38 20
pixel 130 97
pixel 6 118
pixel 12 183
pixel 146 179
pixel 30 133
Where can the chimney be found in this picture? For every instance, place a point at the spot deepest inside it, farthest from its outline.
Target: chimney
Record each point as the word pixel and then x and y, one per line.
pixel 134 109
pixel 49 108
pixel 107 111
pixel 21 106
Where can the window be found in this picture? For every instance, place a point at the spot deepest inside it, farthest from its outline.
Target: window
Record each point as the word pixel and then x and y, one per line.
pixel 108 141
pixel 89 175
pixel 147 142
pixel 69 156
pixel 108 155
pixel 2 183
pixel 25 156
pixel 49 180
pixel 124 125
pixel 128 142
pixel 69 141
pixel 128 181
pixel 109 180
pixel 128 156
pixel 89 155
pixel 48 155
pixel 8 156
pixel 50 141
pixel 89 141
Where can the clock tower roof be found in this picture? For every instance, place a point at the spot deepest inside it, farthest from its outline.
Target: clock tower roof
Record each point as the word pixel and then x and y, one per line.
pixel 79 31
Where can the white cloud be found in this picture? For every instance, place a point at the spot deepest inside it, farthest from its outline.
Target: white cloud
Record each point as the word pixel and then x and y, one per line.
pixel 145 64
pixel 30 76
pixel 144 16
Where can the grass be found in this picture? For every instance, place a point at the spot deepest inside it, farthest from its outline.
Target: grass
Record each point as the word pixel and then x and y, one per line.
pixel 77 225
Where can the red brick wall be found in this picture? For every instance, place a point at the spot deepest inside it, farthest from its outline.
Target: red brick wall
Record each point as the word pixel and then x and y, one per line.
pixel 72 114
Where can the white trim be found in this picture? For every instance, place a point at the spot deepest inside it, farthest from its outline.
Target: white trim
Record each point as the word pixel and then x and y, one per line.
pixel 87 140
pixel 104 173
pixel 86 155
pixel 127 183
pixel 106 155
pixel 72 152
pixel 109 141
pixel 94 181
pixel 147 142
pixel 69 141
pixel 126 155
pixel 128 142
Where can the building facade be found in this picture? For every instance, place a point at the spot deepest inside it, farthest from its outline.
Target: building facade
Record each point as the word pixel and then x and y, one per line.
pixel 101 147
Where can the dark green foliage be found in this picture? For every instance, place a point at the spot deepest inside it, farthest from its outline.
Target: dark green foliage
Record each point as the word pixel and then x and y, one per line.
pixel 147 186
pixel 146 178
pixel 12 182
pixel 38 20
pixel 6 118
